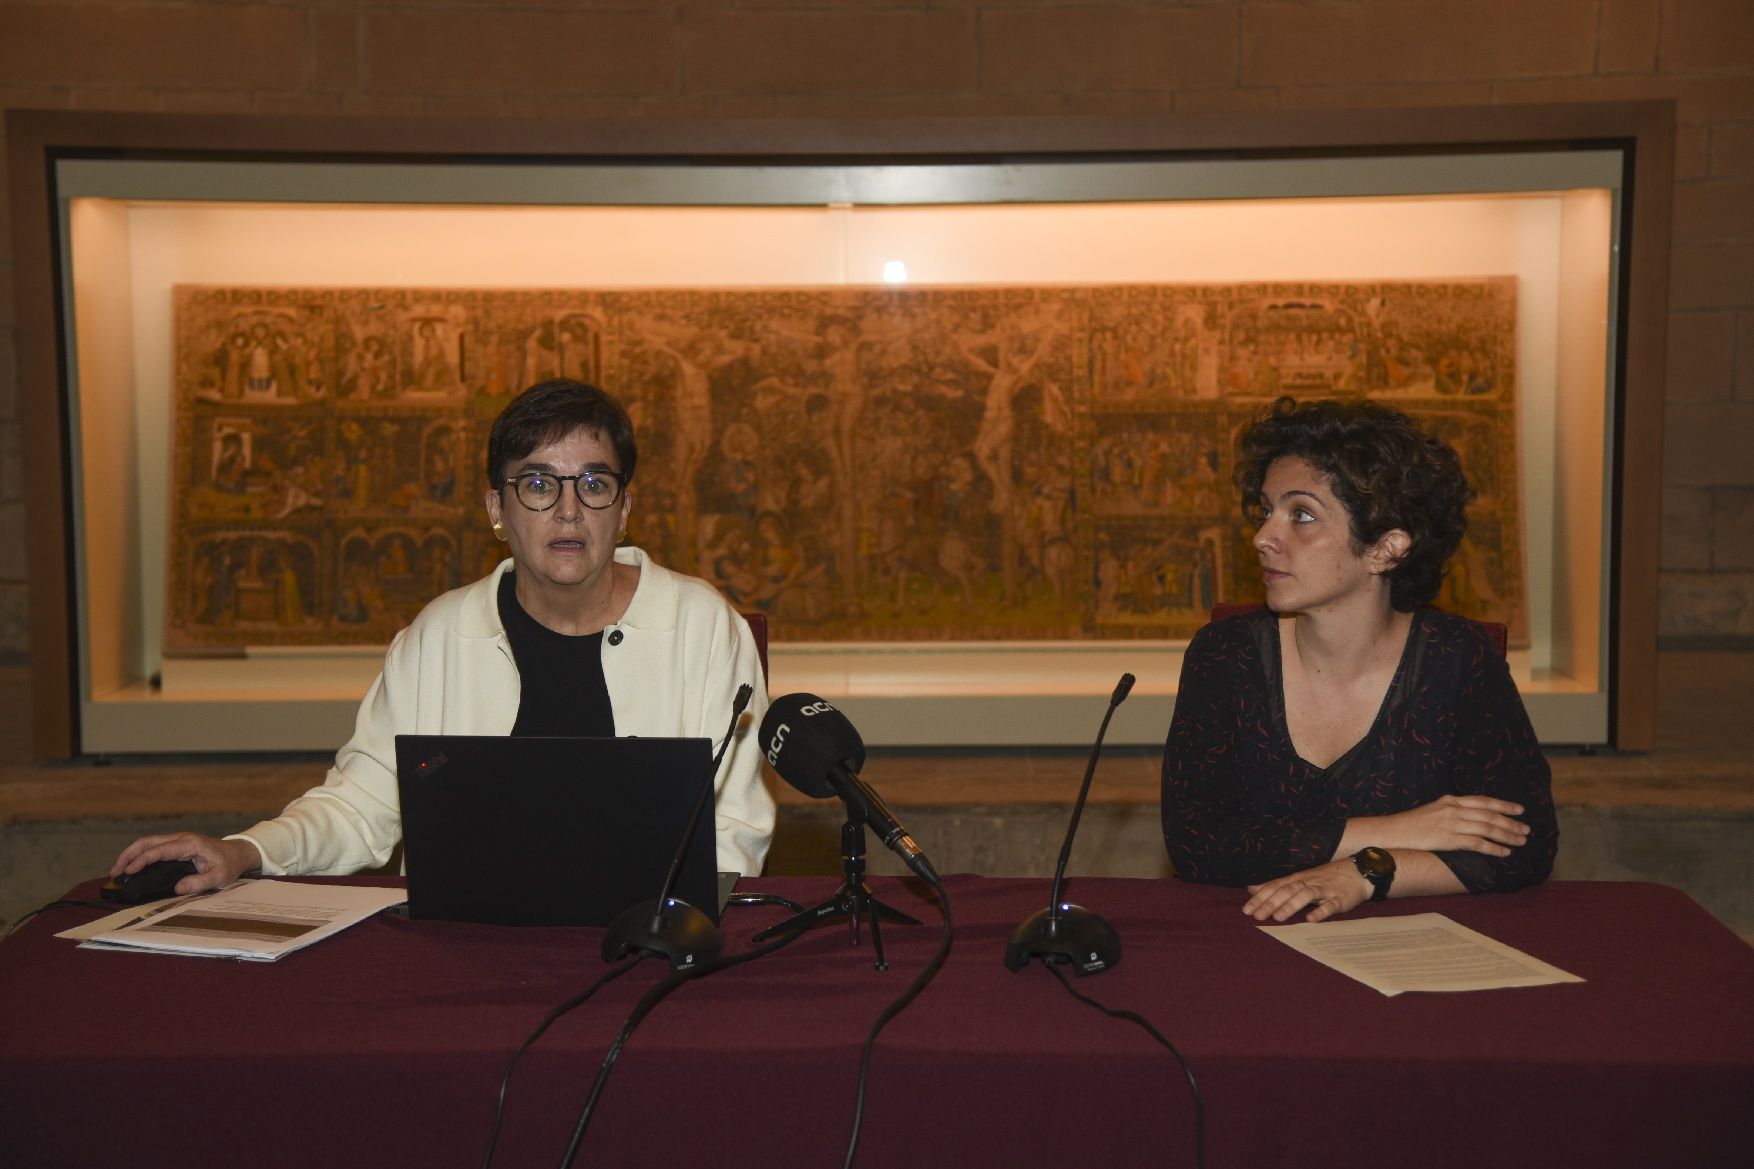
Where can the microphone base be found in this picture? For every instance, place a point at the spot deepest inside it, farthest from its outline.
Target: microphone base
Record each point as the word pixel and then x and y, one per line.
pixel 854 902
pixel 1076 937
pixel 682 935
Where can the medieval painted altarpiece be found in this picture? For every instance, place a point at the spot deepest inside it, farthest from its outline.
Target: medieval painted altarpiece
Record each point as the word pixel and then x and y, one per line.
pixel 861 463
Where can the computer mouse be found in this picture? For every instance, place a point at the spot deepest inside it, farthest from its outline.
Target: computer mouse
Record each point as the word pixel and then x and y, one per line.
pixel 156 881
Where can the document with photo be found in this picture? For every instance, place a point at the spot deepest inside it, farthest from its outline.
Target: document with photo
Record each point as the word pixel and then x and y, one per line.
pixel 257 921
pixel 87 930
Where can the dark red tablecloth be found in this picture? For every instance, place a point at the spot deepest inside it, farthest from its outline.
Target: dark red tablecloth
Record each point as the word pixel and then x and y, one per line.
pixel 385 1046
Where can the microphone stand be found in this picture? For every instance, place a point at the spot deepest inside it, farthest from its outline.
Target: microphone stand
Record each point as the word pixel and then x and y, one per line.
pixel 852 900
pixel 1070 933
pixel 667 928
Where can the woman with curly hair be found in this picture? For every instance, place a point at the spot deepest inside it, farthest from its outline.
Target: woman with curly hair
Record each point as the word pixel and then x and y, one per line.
pixel 1348 742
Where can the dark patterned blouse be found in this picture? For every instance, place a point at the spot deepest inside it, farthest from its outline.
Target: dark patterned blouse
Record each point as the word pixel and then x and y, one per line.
pixel 1241 807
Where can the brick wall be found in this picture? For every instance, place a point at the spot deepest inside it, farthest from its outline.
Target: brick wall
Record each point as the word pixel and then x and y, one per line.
pixel 758 58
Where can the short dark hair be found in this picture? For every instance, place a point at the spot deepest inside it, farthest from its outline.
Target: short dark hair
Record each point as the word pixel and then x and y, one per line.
pixel 1383 468
pixel 549 411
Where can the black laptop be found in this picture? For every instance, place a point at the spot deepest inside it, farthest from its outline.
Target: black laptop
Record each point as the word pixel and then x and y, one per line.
pixel 551 831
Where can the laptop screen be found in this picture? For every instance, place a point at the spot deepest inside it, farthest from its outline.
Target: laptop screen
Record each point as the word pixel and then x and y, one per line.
pixel 551 831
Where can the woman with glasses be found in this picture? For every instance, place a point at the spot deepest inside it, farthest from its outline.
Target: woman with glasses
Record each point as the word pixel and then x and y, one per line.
pixel 1347 742
pixel 571 635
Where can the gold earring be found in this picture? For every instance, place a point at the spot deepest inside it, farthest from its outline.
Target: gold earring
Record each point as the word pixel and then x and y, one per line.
pixel 499 532
pixel 622 538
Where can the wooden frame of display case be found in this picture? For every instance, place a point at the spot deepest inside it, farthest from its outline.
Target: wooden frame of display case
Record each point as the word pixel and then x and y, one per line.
pixel 769 154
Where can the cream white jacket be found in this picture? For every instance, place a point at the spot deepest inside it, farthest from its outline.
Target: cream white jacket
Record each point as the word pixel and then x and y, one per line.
pixel 673 664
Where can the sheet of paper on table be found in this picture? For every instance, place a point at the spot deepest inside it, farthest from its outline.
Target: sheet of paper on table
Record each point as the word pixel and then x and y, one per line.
pixel 257 921
pixel 128 915
pixel 1422 951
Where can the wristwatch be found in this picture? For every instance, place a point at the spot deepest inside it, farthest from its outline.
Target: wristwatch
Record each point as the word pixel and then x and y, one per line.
pixel 1378 867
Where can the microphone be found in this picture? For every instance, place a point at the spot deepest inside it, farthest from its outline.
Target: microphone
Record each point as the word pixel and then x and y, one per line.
pixel 1071 933
pixel 814 748
pixel 667 928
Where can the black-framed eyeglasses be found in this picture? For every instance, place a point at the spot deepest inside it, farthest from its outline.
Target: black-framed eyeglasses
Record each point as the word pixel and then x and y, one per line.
pixel 540 490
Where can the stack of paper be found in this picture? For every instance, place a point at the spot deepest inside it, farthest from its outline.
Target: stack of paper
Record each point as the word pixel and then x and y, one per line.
pixel 258 921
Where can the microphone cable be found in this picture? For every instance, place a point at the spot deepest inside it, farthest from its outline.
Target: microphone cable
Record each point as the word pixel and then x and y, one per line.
pixel 657 994
pixel 112 906
pixel 1142 1021
pixel 609 976
pixel 764 899
pixel 895 1008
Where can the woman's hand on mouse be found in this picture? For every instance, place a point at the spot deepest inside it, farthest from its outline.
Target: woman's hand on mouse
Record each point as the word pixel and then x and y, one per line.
pixel 1447 824
pixel 217 862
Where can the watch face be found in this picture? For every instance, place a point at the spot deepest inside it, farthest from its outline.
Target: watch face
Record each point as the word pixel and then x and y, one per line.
pixel 1374 862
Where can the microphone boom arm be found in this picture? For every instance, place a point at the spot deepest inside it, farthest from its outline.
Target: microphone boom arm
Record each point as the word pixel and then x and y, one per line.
pixel 1121 691
pixel 1071 933
pixel 674 930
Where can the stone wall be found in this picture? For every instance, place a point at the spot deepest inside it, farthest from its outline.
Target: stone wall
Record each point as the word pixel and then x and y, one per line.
pixel 825 58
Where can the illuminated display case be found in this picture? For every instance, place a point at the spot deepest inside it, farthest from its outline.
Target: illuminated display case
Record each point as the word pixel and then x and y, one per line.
pixel 129 207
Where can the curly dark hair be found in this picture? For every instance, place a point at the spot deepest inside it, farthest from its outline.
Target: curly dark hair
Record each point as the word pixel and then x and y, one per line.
pixel 1386 471
pixel 551 410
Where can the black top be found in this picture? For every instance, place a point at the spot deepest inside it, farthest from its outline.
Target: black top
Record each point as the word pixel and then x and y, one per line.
pixel 1241 807
pixel 562 687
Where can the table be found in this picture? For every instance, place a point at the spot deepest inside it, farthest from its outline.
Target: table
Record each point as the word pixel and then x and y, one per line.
pixel 385 1045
